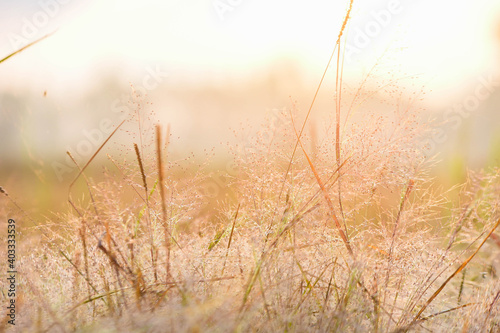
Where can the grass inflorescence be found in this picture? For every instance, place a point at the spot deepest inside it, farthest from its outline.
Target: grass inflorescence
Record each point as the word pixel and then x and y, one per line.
pixel 339 231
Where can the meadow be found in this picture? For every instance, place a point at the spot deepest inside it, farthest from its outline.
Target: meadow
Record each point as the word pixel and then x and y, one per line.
pixel 340 228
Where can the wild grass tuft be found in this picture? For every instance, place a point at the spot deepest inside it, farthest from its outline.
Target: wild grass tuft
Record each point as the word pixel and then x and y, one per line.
pixel 351 235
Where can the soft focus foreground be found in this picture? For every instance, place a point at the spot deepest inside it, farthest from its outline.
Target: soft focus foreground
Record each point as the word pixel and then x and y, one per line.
pixel 145 249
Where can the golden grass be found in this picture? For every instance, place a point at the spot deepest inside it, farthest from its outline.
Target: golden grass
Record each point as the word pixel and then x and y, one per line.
pixel 263 261
pixel 246 268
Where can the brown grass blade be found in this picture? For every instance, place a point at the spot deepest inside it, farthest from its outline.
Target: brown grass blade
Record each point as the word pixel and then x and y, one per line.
pixel 25 47
pixel 230 239
pixel 94 155
pixel 447 311
pixel 458 270
pixel 344 24
pixel 409 188
pixel 338 95
pixel 141 168
pixel 162 196
pixel 325 193
pixel 232 228
pixel 89 283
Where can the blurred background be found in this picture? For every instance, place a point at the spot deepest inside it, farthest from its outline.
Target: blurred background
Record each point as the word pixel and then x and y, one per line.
pixel 210 67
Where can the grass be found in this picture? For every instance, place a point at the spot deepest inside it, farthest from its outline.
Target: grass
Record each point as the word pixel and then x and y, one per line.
pixel 347 234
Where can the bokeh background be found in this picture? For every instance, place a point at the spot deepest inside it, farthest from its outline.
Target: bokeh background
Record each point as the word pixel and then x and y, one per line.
pixel 211 67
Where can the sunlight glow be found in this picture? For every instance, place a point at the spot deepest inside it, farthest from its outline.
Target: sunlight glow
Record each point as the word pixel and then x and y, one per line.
pixel 199 36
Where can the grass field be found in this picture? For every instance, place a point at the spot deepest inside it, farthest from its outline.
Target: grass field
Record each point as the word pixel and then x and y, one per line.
pixel 341 229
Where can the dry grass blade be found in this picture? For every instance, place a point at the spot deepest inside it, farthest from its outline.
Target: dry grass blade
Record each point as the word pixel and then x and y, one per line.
pixel 458 270
pixel 336 49
pixel 148 212
pixel 325 194
pixel 497 297
pixel 86 182
pixel 25 47
pixel 338 95
pixel 125 178
pixel 109 239
pixel 162 196
pixel 85 253
pixel 344 24
pixel 230 238
pixel 409 188
pixel 447 311
pixel 257 270
pixel 232 228
pixel 406 328
pixel 94 155
pixel 112 257
pixel 79 272
pixel 141 168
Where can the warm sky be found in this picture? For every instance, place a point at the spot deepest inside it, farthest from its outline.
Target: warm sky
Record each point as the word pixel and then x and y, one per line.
pixel 445 41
